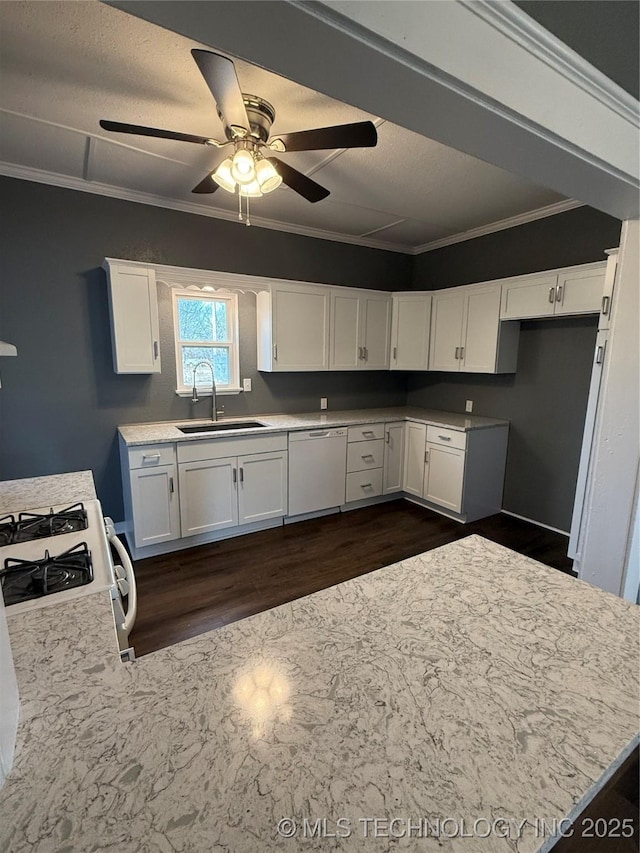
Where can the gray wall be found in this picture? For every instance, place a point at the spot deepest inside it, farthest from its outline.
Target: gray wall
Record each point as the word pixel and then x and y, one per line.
pixel 546 398
pixel 61 401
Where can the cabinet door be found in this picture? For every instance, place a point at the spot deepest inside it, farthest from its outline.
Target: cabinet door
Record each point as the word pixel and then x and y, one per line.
pixel 345 347
pixel 481 329
pixel 410 331
pixel 444 476
pixel 133 303
pixel 415 442
pixel 393 458
pixel 300 327
pixel 533 297
pixel 446 330
pixel 262 486
pixel 208 495
pixel 156 515
pixel 377 331
pixel 580 292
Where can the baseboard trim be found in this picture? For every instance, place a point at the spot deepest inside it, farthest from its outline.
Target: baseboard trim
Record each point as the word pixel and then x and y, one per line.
pixel 537 523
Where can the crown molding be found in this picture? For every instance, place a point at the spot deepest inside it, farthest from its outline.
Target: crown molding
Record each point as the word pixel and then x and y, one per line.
pixel 40 176
pixel 501 225
pixel 515 24
pixel 27 173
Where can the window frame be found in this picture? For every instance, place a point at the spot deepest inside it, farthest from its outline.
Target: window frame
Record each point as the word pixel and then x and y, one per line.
pixel 233 343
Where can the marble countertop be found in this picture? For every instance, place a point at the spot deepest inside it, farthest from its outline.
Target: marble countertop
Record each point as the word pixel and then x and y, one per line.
pixel 468 683
pixel 155 433
pixel 33 492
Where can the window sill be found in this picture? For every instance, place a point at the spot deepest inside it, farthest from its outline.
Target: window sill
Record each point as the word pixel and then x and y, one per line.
pixel 220 392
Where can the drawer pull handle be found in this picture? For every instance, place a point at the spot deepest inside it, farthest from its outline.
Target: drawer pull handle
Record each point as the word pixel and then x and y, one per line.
pixel 386 436
pixel 599 354
pixel 369 432
pixel 171 487
pixel 156 349
pixel 367 456
pixel 319 433
pixel 461 353
pixel 275 352
pixel 559 293
pixel 395 353
pixel 552 294
pixel 242 475
pixel 606 300
pixel 445 437
pixel 366 353
pixel 235 475
pixel 366 486
pixel 360 355
pixel 426 457
pixel 457 352
pixel 151 456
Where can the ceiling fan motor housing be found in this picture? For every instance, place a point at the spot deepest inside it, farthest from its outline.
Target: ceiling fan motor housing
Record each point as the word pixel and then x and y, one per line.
pixel 261 115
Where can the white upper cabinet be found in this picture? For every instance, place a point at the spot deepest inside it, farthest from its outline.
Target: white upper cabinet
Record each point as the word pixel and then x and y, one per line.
pixel 466 333
pixel 133 307
pixel 411 320
pixel 574 290
pixel 293 327
pixel 359 329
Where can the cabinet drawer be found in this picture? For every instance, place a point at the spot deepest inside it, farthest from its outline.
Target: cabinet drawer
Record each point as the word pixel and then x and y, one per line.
pixel 448 437
pixel 363 455
pixel 366 432
pixel 151 455
pixel 364 484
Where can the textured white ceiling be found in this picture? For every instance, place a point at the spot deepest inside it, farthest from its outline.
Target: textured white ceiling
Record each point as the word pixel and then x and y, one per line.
pixel 66 65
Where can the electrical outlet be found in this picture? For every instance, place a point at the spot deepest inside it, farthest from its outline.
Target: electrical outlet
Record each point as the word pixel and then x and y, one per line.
pixel 246 385
pixel 469 406
pixel 323 402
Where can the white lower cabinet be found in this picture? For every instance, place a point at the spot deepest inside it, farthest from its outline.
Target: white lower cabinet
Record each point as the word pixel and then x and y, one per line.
pixel 154 503
pixel 393 458
pixel 462 473
pixel 225 492
pixel 365 461
pixel 444 476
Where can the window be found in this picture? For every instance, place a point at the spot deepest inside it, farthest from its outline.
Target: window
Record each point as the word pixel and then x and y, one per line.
pixel 206 329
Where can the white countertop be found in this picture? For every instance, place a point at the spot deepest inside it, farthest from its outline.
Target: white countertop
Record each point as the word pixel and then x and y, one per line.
pixel 31 492
pixel 156 433
pixel 467 683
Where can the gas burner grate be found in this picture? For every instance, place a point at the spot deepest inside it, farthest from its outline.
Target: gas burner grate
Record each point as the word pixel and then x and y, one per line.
pixel 32 525
pixel 23 580
pixel 7 529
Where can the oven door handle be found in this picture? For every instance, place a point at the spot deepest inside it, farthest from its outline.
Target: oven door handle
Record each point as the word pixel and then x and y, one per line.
pixel 132 598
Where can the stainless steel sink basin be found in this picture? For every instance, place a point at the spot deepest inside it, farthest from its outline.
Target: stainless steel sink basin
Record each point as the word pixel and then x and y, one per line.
pixel 221 426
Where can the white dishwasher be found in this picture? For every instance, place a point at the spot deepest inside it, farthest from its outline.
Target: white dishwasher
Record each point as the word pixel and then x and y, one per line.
pixel 317 469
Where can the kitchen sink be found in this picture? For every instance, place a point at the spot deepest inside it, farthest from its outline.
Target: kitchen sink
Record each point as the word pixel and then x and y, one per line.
pixel 222 426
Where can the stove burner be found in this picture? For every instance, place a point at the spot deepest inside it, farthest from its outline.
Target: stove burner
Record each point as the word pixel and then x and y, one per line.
pixel 32 525
pixel 22 580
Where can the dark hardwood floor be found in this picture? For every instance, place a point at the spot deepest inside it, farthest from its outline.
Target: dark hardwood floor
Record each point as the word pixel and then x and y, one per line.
pixel 189 592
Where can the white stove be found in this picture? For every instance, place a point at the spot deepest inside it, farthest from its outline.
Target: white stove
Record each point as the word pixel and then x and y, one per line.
pixel 70 557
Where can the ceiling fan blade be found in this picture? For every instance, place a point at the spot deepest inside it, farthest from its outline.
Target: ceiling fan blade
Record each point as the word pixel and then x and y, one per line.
pixel 361 134
pixel 221 78
pixel 298 182
pixel 139 130
pixel 206 185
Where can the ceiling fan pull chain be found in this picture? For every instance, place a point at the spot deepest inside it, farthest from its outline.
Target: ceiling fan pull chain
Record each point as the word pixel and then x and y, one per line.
pixel 248 219
pixel 239 204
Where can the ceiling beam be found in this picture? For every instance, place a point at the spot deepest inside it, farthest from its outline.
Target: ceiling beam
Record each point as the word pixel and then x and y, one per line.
pixel 468 80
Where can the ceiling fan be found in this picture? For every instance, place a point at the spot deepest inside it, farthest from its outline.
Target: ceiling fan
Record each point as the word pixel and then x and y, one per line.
pixel 251 169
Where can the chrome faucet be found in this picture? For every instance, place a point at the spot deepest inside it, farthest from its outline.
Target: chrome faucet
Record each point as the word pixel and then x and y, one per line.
pixel 194 394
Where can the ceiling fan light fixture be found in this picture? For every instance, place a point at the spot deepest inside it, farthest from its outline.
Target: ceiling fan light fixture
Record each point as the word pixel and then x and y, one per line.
pixel 267 176
pixel 222 176
pixel 243 167
pixel 251 190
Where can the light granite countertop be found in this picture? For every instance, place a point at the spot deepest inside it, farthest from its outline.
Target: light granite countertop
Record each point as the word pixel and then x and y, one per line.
pixel 469 683
pixel 32 492
pixel 155 433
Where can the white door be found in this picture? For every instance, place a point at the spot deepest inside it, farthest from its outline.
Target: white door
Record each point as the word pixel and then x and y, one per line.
pixel 580 292
pixel 300 327
pixel 345 350
pixel 447 310
pixel 415 442
pixel 481 327
pixel 262 486
pixel 444 476
pixel 393 457
pixel 208 495
pixel 534 297
pixel 133 302
pixel 156 514
pixel 377 331
pixel 410 332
